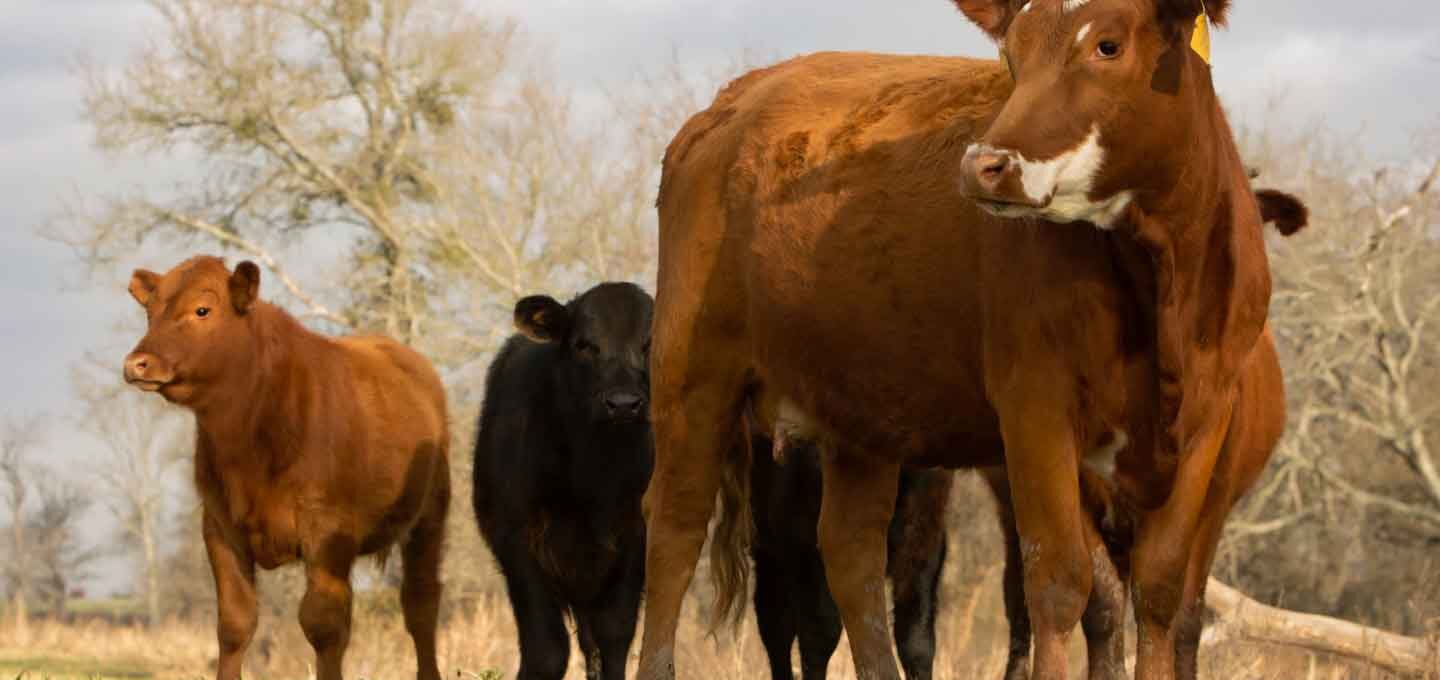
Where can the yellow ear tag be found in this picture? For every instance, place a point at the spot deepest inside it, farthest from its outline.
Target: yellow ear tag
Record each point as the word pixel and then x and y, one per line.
pixel 1200 41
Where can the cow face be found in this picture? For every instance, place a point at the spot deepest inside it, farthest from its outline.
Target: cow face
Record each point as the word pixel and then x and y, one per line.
pixel 196 325
pixel 1103 106
pixel 603 339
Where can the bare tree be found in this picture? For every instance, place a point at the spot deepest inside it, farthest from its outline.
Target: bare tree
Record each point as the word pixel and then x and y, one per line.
pixel 143 441
pixel 59 556
pixel 45 552
pixel 16 439
pixel 403 166
pixel 1353 493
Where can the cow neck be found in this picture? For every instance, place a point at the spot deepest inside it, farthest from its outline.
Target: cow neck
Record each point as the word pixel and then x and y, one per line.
pixel 1211 282
pixel 260 398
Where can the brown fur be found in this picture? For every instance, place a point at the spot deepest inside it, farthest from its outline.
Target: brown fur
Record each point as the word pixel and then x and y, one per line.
pixel 308 448
pixel 907 325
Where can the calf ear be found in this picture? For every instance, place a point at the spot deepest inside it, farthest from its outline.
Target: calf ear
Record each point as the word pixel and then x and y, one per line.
pixel 142 286
pixel 244 286
pixel 992 16
pixel 1287 212
pixel 542 319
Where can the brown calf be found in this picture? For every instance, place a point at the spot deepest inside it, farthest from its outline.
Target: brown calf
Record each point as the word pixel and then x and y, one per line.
pixel 307 448
pixel 819 267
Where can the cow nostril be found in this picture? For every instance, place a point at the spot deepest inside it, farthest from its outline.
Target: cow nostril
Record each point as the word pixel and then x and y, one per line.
pixel 992 166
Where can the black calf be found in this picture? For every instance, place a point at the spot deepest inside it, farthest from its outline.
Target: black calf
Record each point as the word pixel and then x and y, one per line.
pixel 792 599
pixel 562 457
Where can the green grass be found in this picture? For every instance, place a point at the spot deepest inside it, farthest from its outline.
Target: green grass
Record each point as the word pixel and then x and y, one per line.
pixel 53 668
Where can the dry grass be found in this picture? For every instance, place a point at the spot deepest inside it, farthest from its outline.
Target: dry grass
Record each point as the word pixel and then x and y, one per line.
pixel 478 643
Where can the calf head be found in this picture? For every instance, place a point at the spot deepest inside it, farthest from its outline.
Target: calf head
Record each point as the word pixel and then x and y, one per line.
pixel 603 337
pixel 1104 106
pixel 197 327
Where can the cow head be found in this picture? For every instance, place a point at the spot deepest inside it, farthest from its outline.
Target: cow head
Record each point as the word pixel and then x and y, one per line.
pixel 603 337
pixel 1103 107
pixel 196 325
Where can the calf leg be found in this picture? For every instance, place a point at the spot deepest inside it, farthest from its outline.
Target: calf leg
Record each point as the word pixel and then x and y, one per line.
pixel 817 620
pixel 612 624
pixel 238 613
pixel 539 616
pixel 915 559
pixel 421 588
pixel 772 613
pixel 325 609
pixel 855 510
pixel 588 648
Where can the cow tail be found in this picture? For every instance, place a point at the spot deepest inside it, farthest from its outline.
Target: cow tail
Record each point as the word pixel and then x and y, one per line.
pixel 730 545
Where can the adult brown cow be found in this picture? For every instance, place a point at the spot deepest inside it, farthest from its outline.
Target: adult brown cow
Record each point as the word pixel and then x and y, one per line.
pixel 307 448
pixel 1255 430
pixel 1100 281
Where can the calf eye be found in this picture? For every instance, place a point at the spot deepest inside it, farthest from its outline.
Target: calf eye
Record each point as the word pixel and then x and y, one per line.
pixel 202 312
pixel 1107 49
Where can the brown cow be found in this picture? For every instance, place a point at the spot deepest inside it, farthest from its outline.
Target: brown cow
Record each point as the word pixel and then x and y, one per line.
pixel 307 448
pixel 1255 430
pixel 1095 288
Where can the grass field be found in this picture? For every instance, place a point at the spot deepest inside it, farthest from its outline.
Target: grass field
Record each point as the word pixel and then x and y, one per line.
pixel 479 644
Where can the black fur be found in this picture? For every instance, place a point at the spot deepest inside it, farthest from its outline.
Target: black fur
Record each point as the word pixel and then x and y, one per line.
pixel 792 599
pixel 559 473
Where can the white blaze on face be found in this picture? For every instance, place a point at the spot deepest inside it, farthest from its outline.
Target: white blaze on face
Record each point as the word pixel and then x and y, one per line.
pixel 1084 31
pixel 1062 185
pixel 1072 5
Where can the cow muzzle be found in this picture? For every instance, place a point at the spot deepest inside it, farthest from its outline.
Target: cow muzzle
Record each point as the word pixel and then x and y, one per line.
pixel 994 179
pixel 624 405
pixel 147 372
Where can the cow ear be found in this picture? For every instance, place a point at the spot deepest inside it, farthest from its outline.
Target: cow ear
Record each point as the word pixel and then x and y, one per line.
pixel 142 286
pixel 1288 213
pixel 244 286
pixel 542 319
pixel 992 16
pixel 1181 13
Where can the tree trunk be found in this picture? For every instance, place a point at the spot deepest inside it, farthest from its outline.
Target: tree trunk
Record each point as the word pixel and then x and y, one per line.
pixel 1238 615
pixel 152 573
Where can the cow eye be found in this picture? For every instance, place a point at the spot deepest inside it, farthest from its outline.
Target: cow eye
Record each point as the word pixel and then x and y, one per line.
pixel 202 312
pixel 1107 49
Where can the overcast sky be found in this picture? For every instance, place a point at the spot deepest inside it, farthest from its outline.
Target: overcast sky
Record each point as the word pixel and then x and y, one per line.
pixel 1374 74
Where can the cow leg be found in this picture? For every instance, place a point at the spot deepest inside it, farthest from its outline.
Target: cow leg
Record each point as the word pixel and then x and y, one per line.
pixel 1042 465
pixel 1017 664
pixel 1104 614
pixel 539 616
pixel 817 619
pixel 695 414
pixel 772 613
pixel 238 612
pixel 916 544
pixel 856 505
pixel 1197 575
pixel 1162 555
pixel 325 609
pixel 421 588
